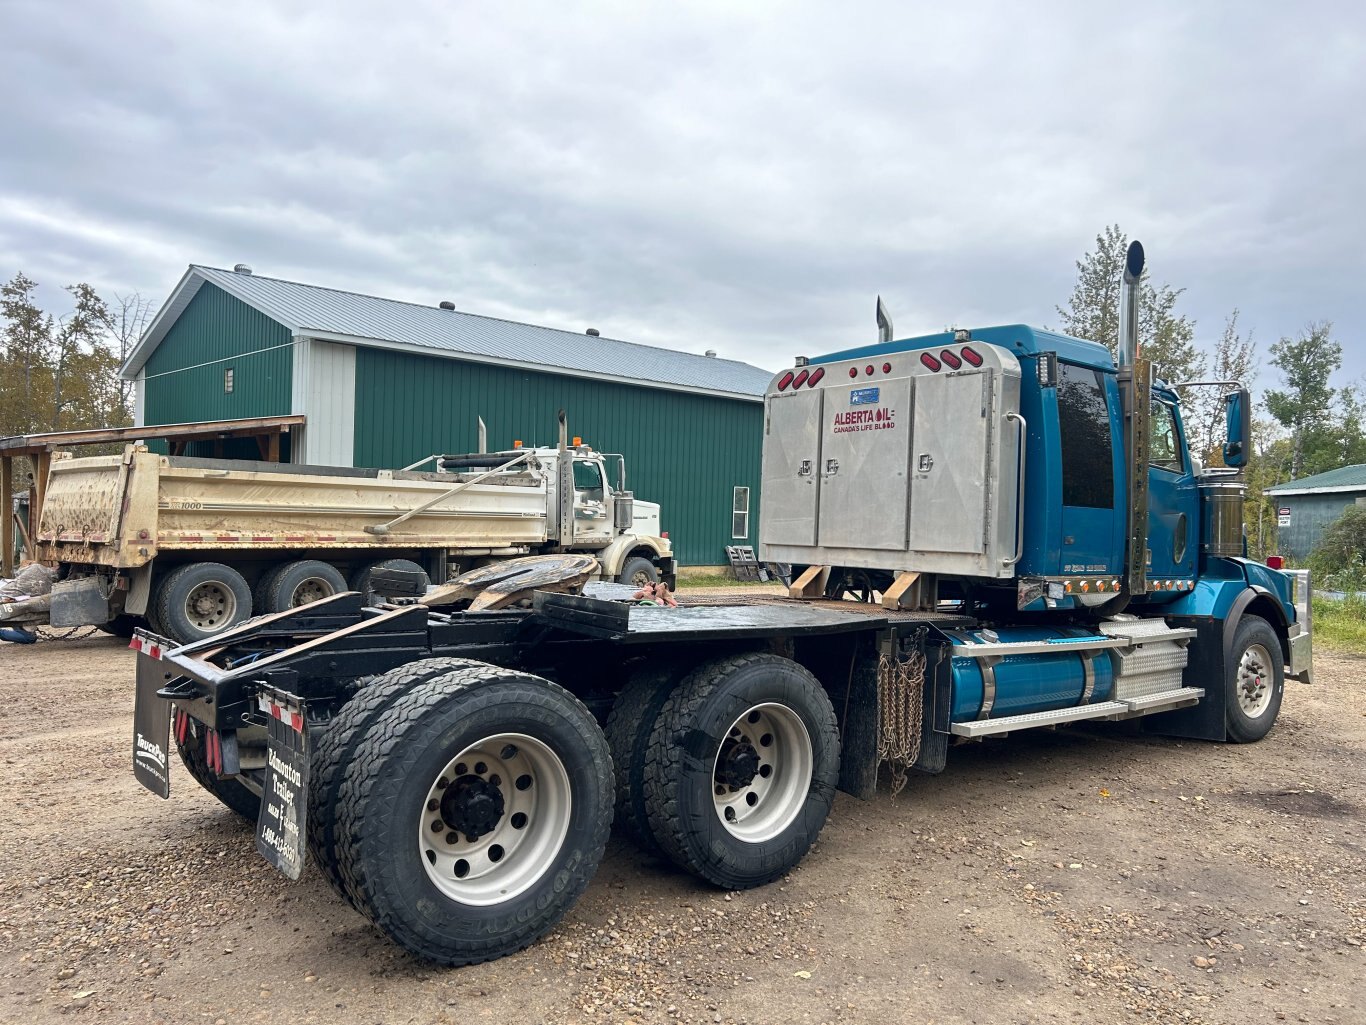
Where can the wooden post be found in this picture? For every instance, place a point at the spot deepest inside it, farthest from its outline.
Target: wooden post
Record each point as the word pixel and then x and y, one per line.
pixel 42 466
pixel 811 584
pixel 7 516
pixel 273 447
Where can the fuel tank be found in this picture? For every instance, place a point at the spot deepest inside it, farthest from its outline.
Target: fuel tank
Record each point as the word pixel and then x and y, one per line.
pixel 1037 681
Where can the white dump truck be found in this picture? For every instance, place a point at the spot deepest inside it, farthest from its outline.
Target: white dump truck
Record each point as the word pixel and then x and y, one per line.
pixel 196 546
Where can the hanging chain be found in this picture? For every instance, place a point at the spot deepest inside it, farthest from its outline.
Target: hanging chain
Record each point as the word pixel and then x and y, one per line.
pixel 901 699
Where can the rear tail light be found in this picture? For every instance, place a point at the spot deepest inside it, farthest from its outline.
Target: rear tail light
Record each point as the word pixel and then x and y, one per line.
pixel 868 370
pixel 815 377
pixel 886 368
pixel 853 371
pixel 929 361
pixel 1275 562
pixel 948 357
pixel 784 381
pixel 800 379
pixel 973 356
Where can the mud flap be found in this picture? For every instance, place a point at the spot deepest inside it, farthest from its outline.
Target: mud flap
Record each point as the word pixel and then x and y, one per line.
pixel 151 721
pixel 281 833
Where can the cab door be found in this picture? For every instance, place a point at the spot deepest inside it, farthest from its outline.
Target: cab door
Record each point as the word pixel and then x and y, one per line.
pixel 1173 535
pixel 592 512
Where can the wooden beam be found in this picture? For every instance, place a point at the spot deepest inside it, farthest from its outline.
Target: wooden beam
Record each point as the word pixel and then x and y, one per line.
pixel 7 516
pixel 891 598
pixel 42 465
pixel 30 444
pixel 811 584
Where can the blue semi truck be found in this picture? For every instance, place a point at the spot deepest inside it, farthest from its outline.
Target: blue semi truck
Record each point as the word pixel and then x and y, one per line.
pixel 990 531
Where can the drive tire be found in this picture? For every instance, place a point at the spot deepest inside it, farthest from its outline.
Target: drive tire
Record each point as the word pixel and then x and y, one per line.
pixel 628 729
pixel 335 749
pixel 638 571
pixel 230 792
pixel 300 583
pixel 121 625
pixel 1254 681
pixel 360 580
pixel 687 751
pixel 384 813
pixel 201 599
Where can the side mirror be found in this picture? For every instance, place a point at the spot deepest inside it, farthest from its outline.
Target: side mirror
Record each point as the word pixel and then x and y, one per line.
pixel 1238 420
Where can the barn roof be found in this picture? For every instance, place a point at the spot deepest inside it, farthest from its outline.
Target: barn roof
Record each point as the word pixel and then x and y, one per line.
pixel 311 311
pixel 1344 478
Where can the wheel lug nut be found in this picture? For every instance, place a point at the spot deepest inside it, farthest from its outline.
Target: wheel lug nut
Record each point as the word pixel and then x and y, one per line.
pixel 452 837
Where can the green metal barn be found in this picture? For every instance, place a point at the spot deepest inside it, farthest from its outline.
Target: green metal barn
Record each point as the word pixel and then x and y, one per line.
pixel 385 383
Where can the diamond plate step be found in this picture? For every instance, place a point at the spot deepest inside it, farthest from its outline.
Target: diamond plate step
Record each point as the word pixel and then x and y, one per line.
pixel 1165 699
pixel 986 727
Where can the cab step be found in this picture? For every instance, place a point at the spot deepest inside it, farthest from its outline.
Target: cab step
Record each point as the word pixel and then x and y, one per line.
pixel 1124 709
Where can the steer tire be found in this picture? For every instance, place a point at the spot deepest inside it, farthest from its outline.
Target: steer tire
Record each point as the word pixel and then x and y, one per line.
pixel 712 712
pixel 628 729
pixel 501 902
pixel 231 792
pixel 638 571
pixel 301 583
pixel 336 747
pixel 1254 639
pixel 172 610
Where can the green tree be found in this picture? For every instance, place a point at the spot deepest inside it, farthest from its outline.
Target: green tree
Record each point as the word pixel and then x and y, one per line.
pixel 1340 555
pixel 25 360
pixel 1166 337
pixel 1233 359
pixel 1306 406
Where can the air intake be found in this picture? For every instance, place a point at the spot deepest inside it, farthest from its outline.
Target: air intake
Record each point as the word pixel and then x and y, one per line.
pixel 241 268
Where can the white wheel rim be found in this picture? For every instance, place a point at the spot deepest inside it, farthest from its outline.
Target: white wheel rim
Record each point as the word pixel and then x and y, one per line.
pixel 310 590
pixel 762 773
pixel 1254 681
pixel 210 605
pixel 523 798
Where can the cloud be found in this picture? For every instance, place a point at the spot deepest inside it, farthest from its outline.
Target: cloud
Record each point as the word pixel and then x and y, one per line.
pixel 737 177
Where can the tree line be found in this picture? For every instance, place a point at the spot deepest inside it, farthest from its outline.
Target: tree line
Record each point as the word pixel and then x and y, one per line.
pixel 1307 425
pixel 60 371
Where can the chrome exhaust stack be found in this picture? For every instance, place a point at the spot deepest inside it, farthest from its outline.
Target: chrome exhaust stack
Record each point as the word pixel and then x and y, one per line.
pixel 1128 304
pixel 884 323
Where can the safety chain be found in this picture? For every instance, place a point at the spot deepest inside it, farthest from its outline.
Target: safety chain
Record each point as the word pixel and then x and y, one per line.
pixel 75 633
pixel 901 699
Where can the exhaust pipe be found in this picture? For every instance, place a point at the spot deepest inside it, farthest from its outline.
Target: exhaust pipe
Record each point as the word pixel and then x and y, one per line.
pixel 483 436
pixel 884 323
pixel 1128 304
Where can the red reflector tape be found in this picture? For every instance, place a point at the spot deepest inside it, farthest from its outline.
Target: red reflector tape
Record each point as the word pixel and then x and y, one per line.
pixel 929 361
pixel 973 357
pixel 135 643
pixel 948 357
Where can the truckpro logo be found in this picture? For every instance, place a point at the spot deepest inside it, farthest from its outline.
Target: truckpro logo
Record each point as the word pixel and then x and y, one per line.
pixel 880 419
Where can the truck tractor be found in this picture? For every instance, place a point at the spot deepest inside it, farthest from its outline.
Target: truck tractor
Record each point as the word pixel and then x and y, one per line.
pixel 1034 544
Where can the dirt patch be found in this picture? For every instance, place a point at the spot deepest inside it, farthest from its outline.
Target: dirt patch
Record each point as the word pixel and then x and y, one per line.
pixel 1076 875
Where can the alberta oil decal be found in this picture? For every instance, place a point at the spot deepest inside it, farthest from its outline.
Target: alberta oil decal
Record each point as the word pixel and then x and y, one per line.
pixel 878 418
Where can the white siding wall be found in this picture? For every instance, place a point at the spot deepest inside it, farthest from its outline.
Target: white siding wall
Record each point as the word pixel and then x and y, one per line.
pixel 325 391
pixel 139 399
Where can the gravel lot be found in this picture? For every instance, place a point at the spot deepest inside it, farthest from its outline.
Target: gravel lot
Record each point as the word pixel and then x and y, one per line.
pixel 1080 875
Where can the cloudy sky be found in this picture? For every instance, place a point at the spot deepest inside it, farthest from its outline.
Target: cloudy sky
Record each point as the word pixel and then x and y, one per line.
pixel 738 176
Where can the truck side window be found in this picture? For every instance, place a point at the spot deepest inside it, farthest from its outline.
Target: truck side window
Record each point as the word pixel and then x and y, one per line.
pixel 1088 473
pixel 587 476
pixel 1164 451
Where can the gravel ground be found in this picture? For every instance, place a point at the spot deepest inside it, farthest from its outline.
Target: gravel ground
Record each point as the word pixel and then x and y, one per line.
pixel 1078 875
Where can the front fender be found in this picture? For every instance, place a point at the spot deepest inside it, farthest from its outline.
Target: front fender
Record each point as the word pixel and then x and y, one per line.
pixel 614 556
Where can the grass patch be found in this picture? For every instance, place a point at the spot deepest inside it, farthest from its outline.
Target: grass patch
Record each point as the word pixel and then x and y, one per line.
pixel 717 580
pixel 1341 624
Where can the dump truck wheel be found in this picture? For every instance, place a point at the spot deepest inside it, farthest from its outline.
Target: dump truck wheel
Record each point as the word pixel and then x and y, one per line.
pixel 742 769
pixel 201 599
pixel 333 752
pixel 474 814
pixel 360 580
pixel 1254 681
pixel 638 571
pixel 232 792
pixel 628 728
pixel 302 582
